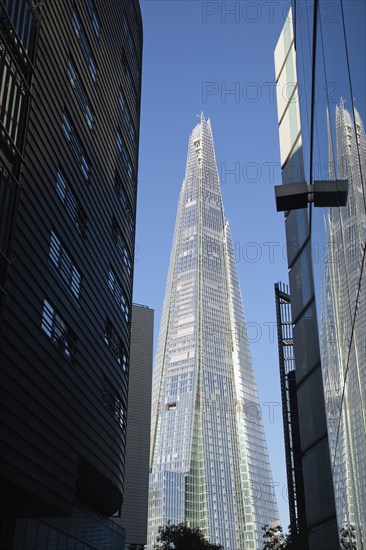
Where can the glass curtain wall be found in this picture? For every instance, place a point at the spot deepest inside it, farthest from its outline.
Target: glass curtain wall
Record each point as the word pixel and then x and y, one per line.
pixel 333 120
pixel 209 461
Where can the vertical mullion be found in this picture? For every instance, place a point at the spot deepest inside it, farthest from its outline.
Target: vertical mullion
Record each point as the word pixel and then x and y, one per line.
pixel 27 28
pixel 15 95
pixel 8 102
pixel 17 8
pixel 4 88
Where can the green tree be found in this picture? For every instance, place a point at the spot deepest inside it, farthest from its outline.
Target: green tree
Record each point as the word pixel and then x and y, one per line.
pixel 273 537
pixel 348 537
pixel 181 537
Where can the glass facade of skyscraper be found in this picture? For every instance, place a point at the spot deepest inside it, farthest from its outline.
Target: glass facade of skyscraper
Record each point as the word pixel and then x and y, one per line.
pixel 344 322
pixel 209 461
pixel 330 44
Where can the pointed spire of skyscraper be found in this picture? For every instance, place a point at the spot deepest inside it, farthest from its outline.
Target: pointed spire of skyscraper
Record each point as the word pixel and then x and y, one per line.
pixel 209 461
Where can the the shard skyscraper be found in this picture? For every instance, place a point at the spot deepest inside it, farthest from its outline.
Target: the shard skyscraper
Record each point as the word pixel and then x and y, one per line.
pixel 209 461
pixel 344 323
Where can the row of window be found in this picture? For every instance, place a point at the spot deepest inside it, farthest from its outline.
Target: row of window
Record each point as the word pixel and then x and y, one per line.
pixel 96 26
pixel 81 158
pixel 82 96
pixel 58 330
pixel 75 146
pixel 86 50
pixel 72 205
pixel 118 294
pixel 52 322
pixel 113 403
pixel 114 342
pixel 66 195
pixel 83 101
pixel 68 272
pixel 79 153
pixel 121 245
pixel 79 217
pixel 65 339
pixel 64 265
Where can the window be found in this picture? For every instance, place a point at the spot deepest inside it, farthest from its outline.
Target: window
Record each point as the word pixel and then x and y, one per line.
pixel 119 296
pixel 80 93
pixel 75 146
pixel 121 245
pixel 130 83
pixel 113 403
pixel 90 8
pixel 120 143
pixel 64 265
pixel 22 15
pixel 114 343
pixel 124 202
pixel 127 117
pixel 58 331
pixel 13 98
pixel 84 45
pixel 124 154
pixel 131 45
pixel 72 206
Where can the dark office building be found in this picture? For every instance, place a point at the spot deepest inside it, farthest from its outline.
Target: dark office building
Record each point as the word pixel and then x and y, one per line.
pixel 134 510
pixel 321 86
pixel 290 413
pixel 70 78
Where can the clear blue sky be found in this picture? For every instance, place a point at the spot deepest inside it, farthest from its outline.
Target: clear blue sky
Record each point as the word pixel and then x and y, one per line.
pixel 194 53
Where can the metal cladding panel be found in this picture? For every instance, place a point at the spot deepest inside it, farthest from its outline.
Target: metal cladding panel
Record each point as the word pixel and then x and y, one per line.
pixel 135 498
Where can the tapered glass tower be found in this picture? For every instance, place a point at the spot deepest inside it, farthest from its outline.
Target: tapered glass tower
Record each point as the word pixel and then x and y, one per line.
pixel 344 322
pixel 209 461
